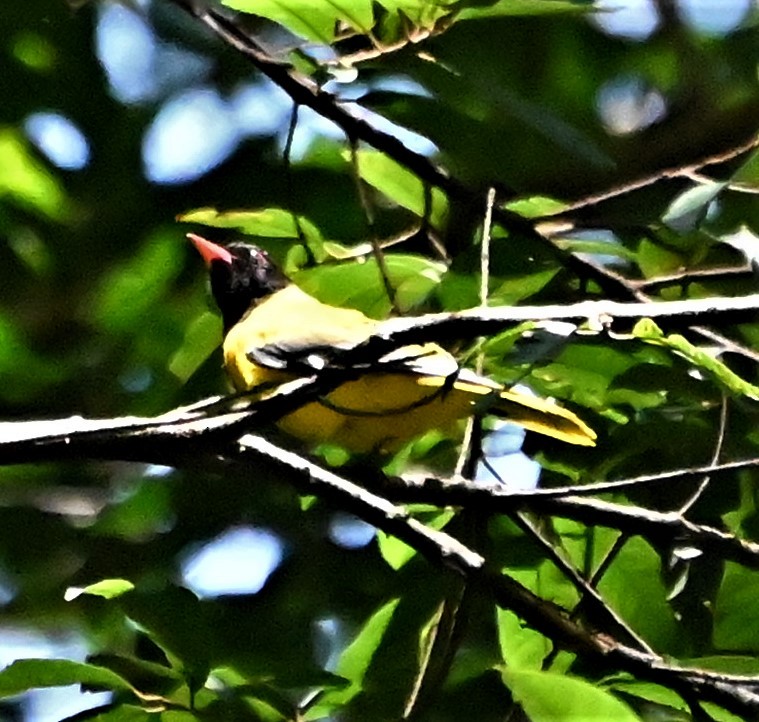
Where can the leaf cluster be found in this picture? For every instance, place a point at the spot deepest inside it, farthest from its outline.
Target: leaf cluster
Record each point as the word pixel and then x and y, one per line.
pixel 619 168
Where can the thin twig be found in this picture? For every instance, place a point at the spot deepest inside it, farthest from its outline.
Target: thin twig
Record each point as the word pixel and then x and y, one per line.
pixel 377 251
pixel 704 483
pixel 287 159
pixel 467 453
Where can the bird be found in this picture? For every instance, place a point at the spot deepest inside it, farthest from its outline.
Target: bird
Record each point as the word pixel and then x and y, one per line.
pixel 275 332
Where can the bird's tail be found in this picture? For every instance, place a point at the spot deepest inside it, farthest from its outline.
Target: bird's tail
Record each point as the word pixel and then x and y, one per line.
pixel 545 417
pixel 531 412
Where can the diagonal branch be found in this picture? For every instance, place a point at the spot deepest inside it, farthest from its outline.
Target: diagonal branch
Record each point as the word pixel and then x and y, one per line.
pixel 175 438
pixel 304 91
pixel 660 528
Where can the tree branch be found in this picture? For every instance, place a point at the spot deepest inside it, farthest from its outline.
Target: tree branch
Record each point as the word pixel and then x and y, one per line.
pixel 660 528
pixel 175 437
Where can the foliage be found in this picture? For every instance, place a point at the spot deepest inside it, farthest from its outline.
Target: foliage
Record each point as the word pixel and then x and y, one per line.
pixel 622 168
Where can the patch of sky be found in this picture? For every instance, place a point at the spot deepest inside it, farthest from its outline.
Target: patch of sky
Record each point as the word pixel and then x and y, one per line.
pixel 715 17
pixel 191 134
pixel 503 461
pixel 350 532
pixel 59 139
pixel 627 105
pixel 126 48
pixel 238 561
pixel 639 19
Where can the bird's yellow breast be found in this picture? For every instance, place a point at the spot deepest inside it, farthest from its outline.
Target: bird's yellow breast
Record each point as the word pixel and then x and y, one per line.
pixel 378 412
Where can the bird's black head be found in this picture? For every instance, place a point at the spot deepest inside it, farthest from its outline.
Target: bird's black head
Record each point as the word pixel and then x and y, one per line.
pixel 241 275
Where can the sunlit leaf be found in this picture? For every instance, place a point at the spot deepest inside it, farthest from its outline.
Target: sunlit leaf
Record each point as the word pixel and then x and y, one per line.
pixel 599 248
pixel 126 294
pixel 402 186
pixel 648 691
pixel 648 331
pixel 201 338
pixel 747 175
pixel 720 714
pixel 689 207
pixel 647 611
pixel 655 260
pixel 395 552
pixel 512 290
pixel 548 697
pixel 535 206
pixel 727 663
pixel 521 646
pixel 525 7
pixel 264 223
pixel 359 285
pixel 106 588
pixel 27 182
pixel 315 21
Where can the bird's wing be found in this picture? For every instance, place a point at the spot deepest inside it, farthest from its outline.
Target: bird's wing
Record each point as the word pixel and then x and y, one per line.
pixel 292 331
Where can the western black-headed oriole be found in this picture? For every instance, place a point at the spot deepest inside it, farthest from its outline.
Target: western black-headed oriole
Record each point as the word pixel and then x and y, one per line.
pixel 275 332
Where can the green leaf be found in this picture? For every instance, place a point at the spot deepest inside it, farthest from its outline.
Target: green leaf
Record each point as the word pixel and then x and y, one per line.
pixel 655 260
pixel 598 248
pixel 32 374
pixel 537 206
pixel 747 176
pixel 25 674
pixel 402 186
pixel 264 223
pixel 176 621
pixel 311 19
pixel 513 290
pixel 422 13
pixel 34 51
pixel 647 611
pixel 525 7
pixel 359 284
pixel 727 663
pixel 648 691
pixel 106 588
pixel 27 182
pixel 521 646
pixel 736 610
pixel 121 713
pixel 129 293
pixel 147 677
pixel 395 552
pixel 549 697
pixel 200 340
pixel 648 331
pixel 318 19
pixel 720 714
pixel 582 373
pixel 689 207
pixel 355 660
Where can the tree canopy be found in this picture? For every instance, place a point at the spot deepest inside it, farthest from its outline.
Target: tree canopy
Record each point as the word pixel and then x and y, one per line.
pixel 561 194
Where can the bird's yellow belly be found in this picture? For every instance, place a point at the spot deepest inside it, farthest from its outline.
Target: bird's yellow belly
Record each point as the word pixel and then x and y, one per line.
pixel 376 413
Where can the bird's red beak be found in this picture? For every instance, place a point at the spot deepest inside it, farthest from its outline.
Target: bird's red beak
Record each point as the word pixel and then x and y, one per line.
pixel 210 251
